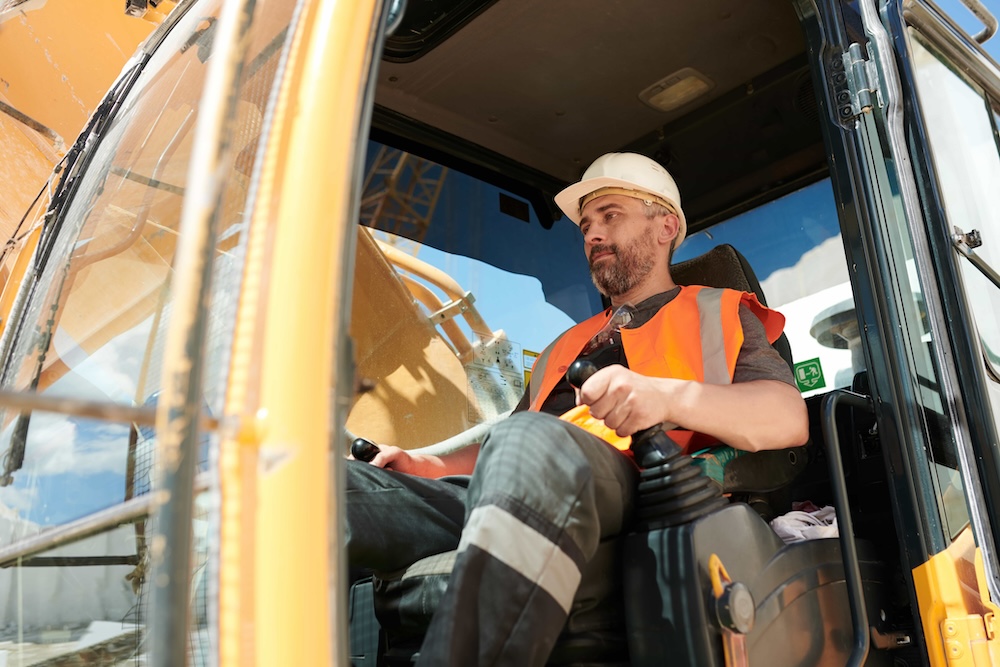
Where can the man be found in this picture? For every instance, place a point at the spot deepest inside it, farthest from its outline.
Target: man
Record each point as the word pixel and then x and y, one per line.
pixel 545 490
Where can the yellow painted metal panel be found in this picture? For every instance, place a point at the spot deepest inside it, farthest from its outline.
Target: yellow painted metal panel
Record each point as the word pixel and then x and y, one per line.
pixel 302 226
pixel 59 57
pixel 57 60
pixel 12 274
pixel 955 609
pixel 26 160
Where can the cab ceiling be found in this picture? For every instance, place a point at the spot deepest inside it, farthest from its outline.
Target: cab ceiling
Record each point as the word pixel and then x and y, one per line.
pixel 554 84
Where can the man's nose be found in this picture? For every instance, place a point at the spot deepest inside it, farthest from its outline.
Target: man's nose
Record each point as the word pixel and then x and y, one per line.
pixel 594 235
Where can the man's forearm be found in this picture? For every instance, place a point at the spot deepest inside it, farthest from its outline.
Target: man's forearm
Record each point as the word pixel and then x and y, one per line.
pixel 458 462
pixel 756 415
pixel 753 416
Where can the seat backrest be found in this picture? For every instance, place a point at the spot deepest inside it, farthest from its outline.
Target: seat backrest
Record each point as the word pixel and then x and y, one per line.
pixel 738 472
pixel 724 266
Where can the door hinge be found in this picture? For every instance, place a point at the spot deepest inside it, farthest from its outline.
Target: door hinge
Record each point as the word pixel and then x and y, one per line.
pixel 970 640
pixel 861 83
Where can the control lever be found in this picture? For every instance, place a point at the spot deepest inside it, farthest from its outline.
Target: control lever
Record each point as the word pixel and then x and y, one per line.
pixel 671 490
pixel 651 446
pixel 364 450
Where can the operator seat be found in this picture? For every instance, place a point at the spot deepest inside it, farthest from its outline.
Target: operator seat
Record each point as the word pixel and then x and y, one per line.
pixel 756 479
pixel 725 266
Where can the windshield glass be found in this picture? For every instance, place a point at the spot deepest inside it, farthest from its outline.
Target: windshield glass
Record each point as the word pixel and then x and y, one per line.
pixel 93 327
pixel 458 287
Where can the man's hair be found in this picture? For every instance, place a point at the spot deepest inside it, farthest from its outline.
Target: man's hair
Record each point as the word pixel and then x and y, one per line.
pixel 653 210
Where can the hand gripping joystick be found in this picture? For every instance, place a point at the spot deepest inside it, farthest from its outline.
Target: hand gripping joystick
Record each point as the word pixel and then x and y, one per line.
pixel 651 446
pixel 364 450
pixel 671 490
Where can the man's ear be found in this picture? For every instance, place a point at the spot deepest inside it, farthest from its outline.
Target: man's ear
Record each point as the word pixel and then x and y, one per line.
pixel 669 226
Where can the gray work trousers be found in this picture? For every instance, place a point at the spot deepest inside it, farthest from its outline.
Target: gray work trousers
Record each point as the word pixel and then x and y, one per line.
pixel 542 496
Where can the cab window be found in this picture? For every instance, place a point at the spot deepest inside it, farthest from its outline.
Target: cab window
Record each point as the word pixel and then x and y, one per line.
pixel 961 123
pixel 85 332
pixel 795 248
pixel 458 286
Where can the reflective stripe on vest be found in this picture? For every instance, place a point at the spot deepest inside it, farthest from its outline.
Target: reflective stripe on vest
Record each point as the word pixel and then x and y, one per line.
pixel 695 336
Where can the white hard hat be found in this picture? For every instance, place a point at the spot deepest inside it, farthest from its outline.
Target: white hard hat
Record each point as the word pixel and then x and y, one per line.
pixel 628 174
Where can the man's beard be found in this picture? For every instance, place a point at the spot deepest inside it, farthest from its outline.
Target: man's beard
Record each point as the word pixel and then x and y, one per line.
pixel 626 269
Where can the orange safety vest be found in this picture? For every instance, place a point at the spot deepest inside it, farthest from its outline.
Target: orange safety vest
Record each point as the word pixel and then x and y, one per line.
pixel 695 336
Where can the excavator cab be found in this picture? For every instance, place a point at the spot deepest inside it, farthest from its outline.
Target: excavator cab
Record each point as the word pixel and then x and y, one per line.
pixel 707 559
pixel 288 223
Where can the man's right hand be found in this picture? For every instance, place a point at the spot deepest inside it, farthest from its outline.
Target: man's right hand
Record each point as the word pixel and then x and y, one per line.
pixel 459 462
pixel 401 460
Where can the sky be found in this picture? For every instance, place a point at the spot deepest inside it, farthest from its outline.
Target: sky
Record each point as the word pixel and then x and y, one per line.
pixel 971 24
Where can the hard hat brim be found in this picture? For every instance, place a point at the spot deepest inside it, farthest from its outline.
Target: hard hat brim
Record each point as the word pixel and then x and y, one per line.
pixel 568 200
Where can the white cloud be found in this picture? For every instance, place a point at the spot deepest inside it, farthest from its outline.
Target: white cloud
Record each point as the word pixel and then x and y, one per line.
pixel 58 444
pixel 15 501
pixel 112 369
pixel 15 504
pixel 820 268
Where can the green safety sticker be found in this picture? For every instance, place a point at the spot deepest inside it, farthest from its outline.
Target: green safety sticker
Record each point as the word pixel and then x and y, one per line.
pixel 809 375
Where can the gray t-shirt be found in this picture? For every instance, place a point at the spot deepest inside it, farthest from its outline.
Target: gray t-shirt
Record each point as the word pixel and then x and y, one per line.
pixel 757 359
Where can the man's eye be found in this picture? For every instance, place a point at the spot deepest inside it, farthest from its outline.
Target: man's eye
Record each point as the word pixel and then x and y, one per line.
pixel 584 229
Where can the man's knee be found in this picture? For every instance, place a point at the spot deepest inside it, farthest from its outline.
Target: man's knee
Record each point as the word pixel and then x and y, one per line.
pixel 537 436
pixel 546 460
pixel 535 458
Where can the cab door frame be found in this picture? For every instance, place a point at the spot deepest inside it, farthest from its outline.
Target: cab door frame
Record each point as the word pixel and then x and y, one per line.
pixel 970 372
pixel 893 244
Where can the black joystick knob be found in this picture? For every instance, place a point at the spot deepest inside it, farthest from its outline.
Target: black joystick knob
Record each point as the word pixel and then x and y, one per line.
pixel 580 371
pixel 364 450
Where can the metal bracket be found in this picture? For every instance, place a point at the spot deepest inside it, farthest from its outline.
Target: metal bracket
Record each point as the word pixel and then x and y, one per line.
pixel 966 243
pixel 861 83
pixel 972 239
pixel 453 309
pixel 890 640
pixel 136 8
pixel 965 639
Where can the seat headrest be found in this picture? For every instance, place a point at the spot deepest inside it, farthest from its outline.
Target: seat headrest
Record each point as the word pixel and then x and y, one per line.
pixel 722 266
